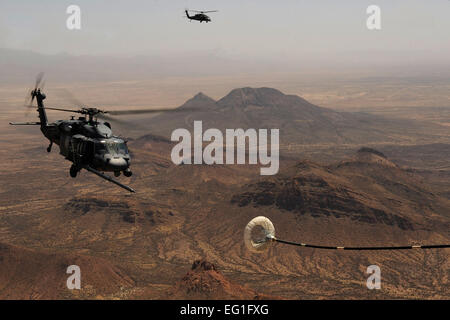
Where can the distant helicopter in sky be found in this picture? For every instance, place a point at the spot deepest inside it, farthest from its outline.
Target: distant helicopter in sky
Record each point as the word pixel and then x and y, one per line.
pixel 200 16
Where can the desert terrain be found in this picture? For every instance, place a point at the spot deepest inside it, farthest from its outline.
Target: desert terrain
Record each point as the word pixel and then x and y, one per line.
pixel 363 161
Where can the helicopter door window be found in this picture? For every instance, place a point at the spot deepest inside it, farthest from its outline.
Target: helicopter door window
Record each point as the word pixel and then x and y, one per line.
pixel 100 147
pixel 123 148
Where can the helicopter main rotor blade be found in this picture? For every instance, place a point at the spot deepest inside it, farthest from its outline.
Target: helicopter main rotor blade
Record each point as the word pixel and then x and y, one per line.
pixel 109 114
pixel 60 109
pixel 103 116
pixel 141 111
pixel 67 95
pixel 203 11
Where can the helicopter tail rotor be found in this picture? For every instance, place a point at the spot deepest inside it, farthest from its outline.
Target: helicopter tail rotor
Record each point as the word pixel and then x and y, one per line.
pixel 38 85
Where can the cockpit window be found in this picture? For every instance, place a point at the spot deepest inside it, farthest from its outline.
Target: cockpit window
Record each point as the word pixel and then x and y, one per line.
pixel 113 147
pixel 122 148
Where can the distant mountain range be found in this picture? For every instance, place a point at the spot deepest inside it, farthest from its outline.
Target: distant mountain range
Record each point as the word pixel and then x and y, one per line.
pixel 300 122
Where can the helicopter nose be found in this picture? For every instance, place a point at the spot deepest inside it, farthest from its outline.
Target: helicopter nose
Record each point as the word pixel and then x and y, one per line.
pixel 118 164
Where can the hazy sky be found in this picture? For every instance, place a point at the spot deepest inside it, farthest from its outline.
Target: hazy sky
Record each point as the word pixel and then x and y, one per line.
pixel 283 29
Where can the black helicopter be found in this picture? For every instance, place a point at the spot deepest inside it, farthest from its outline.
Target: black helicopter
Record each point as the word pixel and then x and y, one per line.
pixel 200 16
pixel 86 142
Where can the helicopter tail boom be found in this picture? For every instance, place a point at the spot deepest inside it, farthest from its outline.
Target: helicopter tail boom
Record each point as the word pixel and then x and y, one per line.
pixel 41 110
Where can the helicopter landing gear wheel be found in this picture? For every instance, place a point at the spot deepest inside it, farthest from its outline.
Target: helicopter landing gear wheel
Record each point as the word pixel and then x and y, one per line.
pixel 73 171
pixel 127 173
pixel 116 173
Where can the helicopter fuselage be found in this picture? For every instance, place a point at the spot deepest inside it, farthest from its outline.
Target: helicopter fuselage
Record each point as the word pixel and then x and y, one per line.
pixel 90 143
pixel 86 142
pixel 199 17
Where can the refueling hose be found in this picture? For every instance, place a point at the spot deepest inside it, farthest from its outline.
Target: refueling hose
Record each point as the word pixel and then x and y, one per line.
pixel 266 236
pixel 434 246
